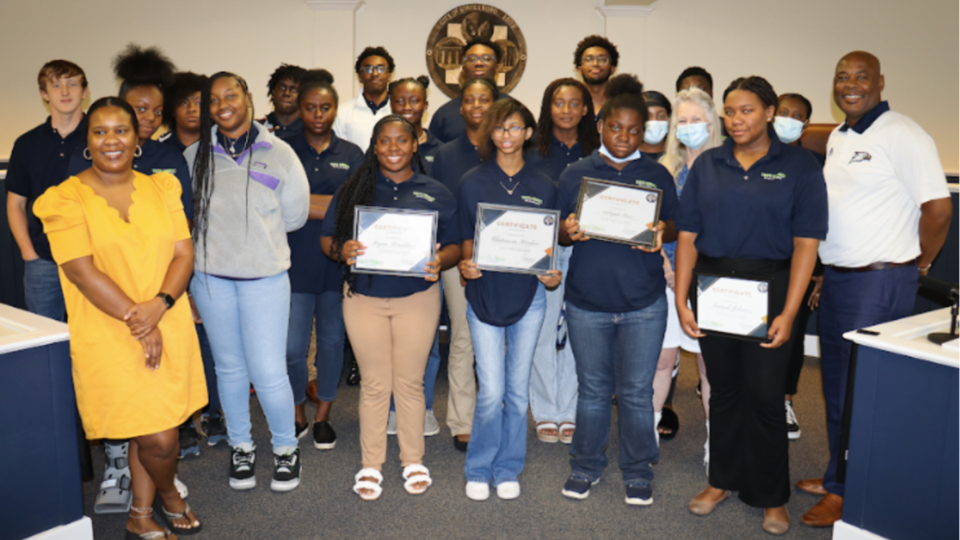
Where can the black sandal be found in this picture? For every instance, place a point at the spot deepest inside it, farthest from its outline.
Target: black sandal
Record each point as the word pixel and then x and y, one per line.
pixel 192 529
pixel 669 420
pixel 145 513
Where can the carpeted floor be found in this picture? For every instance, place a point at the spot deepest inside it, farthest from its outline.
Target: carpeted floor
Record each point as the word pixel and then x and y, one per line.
pixel 325 507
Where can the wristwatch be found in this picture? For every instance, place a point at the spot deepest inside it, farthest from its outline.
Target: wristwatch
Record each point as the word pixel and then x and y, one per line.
pixel 167 299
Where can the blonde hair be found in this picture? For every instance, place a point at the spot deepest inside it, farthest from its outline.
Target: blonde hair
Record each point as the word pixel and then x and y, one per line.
pixel 675 154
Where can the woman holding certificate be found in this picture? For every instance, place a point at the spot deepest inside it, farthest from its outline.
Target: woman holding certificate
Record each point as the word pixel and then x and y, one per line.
pixel 391 313
pixel 616 307
pixel 752 214
pixel 504 308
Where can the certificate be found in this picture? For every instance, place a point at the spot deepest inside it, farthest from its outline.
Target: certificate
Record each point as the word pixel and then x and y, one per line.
pixel 618 212
pixel 399 242
pixel 515 239
pixel 734 307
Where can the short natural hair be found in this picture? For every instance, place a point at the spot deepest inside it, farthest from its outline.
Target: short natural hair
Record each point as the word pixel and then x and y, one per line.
pixel 375 51
pixel 675 153
pixel 56 69
pixel 185 84
pixel 695 71
pixel 596 41
pixel 499 112
pixel 285 71
pixel 497 50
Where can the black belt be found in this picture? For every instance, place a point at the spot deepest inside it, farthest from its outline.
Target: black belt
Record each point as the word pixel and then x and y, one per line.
pixel 731 266
pixel 871 267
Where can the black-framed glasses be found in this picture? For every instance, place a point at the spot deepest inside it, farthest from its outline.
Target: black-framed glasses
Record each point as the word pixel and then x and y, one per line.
pixel 601 60
pixel 370 69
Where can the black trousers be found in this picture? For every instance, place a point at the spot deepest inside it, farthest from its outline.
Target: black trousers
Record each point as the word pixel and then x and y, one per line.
pixel 748 435
pixel 797 345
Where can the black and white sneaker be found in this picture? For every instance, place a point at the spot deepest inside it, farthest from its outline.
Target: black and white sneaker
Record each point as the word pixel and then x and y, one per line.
pixel 286 471
pixel 188 440
pixel 300 429
pixel 215 428
pixel 324 437
pixel 242 461
pixel 793 428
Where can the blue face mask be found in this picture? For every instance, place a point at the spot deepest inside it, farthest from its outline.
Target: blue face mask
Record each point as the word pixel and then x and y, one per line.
pixel 654 131
pixel 788 129
pixel 693 135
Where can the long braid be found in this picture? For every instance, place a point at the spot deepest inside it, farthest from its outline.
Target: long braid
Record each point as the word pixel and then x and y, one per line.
pixel 359 190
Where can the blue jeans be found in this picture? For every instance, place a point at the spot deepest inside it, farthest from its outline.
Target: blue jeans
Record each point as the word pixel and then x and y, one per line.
pixel 616 354
pixel 850 301
pixel 553 380
pixel 498 439
pixel 327 310
pixel 246 322
pixel 41 289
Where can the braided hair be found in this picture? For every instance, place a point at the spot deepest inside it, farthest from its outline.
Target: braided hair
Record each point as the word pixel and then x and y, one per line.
pixel 757 85
pixel 204 168
pixel 587 134
pixel 359 190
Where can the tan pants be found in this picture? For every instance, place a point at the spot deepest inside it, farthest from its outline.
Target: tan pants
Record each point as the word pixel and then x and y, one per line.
pixel 391 338
pixel 462 398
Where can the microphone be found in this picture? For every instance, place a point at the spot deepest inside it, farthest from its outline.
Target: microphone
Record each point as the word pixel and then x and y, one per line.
pixel 940 287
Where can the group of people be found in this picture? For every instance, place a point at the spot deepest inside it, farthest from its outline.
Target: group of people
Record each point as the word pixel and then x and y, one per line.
pixel 254 221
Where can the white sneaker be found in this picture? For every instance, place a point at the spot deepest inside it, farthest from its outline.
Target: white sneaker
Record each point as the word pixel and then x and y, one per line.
pixel 392 423
pixel 706 450
pixel 478 491
pixel 508 490
pixel 793 427
pixel 181 487
pixel 430 425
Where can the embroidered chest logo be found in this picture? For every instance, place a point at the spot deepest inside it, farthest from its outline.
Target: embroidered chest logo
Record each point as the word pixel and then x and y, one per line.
pixel 644 183
pixel 772 177
pixel 260 165
pixel 532 200
pixel 171 171
pixel 428 159
pixel 860 156
pixel 341 166
pixel 424 196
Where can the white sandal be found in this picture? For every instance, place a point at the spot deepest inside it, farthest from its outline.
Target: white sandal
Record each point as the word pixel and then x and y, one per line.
pixel 411 477
pixel 367 484
pixel 543 436
pixel 564 426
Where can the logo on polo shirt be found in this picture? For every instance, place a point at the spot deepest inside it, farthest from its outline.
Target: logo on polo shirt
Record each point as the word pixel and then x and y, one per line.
pixel 342 166
pixel 532 200
pixel 860 156
pixel 644 183
pixel 772 177
pixel 428 159
pixel 171 171
pixel 424 196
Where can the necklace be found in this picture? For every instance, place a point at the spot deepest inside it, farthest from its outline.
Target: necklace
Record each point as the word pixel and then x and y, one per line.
pixel 508 190
pixel 233 148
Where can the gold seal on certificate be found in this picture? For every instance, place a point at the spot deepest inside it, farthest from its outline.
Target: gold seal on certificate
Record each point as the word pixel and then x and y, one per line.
pixel 618 212
pixel 733 307
pixel 516 239
pixel 398 242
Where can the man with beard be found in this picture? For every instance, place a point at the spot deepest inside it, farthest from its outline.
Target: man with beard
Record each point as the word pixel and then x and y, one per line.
pixel 596 60
pixel 481 58
pixel 356 118
pixel 282 89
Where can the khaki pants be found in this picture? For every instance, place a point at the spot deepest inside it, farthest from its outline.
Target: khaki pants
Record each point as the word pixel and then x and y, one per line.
pixel 463 381
pixel 391 338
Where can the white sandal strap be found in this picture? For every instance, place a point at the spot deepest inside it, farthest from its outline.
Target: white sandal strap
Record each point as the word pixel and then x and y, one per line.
pixel 366 484
pixel 369 472
pixel 417 468
pixel 411 478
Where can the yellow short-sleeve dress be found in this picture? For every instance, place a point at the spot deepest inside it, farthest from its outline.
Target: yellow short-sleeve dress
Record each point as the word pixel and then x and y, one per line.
pixel 118 396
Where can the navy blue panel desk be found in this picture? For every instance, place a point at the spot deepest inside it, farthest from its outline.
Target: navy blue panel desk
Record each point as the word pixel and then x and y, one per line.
pixel 902 475
pixel 40 489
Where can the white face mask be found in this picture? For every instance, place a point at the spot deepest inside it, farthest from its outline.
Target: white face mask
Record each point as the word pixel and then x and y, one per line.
pixel 693 135
pixel 654 131
pixel 788 129
pixel 634 156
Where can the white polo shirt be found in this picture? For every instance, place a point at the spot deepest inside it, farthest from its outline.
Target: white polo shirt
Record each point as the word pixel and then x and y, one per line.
pixel 355 121
pixel 876 182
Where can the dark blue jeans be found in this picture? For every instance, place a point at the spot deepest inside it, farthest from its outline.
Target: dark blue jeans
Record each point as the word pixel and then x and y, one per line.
pixel 327 310
pixel 852 300
pixel 41 289
pixel 616 353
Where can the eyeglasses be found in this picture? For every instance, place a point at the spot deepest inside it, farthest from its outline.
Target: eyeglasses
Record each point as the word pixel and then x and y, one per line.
pixel 485 58
pixel 601 60
pixel 513 130
pixel 370 69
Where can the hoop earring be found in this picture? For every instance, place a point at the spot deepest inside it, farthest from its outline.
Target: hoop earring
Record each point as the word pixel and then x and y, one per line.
pixel 139 152
pixel 86 154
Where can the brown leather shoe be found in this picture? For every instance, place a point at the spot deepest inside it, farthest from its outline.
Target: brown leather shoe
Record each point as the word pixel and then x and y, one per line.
pixel 813 486
pixel 707 500
pixel 825 513
pixel 776 520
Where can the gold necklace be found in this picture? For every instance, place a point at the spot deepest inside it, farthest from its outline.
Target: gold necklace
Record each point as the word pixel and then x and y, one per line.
pixel 509 191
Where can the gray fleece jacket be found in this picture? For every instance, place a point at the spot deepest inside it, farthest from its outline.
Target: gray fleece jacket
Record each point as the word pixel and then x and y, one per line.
pixel 249 217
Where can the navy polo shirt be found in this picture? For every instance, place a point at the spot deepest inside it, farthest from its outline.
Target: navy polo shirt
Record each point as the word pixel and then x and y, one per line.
pixel 447 124
pixel 156 157
pixel 39 160
pixel 754 214
pixel 560 156
pixel 310 270
pixel 606 276
pixel 170 139
pixel 420 192
pixel 501 298
pixel 452 160
pixel 428 149
pixel 282 131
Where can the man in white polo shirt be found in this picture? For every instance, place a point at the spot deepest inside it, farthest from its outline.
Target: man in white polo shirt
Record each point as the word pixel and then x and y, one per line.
pixel 356 118
pixel 889 214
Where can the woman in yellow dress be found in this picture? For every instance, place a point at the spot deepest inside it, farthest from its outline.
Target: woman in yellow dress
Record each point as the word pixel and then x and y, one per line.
pixel 123 247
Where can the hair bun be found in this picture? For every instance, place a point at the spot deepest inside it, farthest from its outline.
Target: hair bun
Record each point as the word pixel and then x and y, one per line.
pixel 625 83
pixel 138 66
pixel 424 80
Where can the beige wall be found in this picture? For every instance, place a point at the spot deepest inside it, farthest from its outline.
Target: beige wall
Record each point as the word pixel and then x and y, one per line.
pixel 794 44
